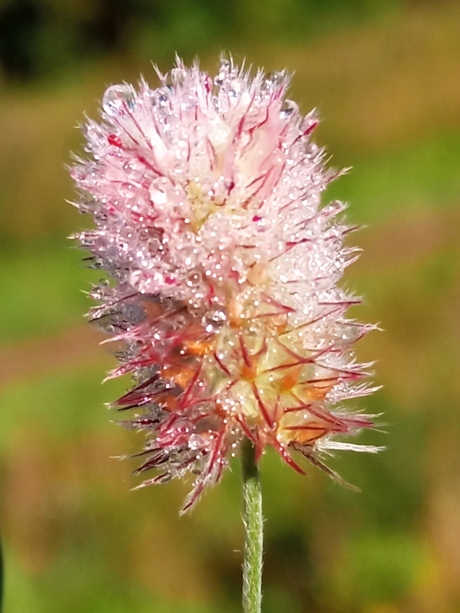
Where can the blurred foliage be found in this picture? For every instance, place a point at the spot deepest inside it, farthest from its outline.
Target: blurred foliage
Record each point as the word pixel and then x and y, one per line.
pixel 39 37
pixel 384 76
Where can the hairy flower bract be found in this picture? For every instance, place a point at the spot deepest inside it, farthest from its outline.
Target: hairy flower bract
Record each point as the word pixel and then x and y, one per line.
pixel 222 272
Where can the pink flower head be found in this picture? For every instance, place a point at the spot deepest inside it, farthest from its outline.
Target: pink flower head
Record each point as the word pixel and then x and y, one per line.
pixel 224 269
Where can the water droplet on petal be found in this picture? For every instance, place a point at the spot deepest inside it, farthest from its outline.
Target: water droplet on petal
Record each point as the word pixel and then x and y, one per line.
pixel 194 278
pixel 170 280
pixel 214 319
pixel 118 99
pixel 288 108
pixel 223 72
pixel 236 87
pixel 176 76
pixel 158 195
pixel 217 315
pixel 273 79
pixel 154 245
pixel 115 140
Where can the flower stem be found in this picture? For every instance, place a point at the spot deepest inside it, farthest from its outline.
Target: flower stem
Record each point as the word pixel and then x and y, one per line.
pixel 253 531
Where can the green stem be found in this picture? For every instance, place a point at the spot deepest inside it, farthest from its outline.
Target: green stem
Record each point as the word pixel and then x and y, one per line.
pixel 253 531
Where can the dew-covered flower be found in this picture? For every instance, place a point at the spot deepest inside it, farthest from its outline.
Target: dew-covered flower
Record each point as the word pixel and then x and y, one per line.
pixel 222 272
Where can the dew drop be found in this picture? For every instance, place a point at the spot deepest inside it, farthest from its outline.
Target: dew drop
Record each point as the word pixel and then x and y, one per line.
pixel 272 80
pixel 160 97
pixel 217 315
pixel 194 279
pixel 118 99
pixel 236 87
pixel 154 245
pixel 158 196
pixel 115 141
pixel 288 108
pixel 223 73
pixel 195 441
pixel 179 322
pixel 176 76
pixel 100 218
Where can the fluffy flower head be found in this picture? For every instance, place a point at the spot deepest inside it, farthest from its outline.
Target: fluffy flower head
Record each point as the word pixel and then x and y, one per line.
pixel 224 269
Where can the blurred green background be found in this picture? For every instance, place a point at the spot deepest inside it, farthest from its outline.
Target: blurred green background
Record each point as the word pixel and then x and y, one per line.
pixel 385 77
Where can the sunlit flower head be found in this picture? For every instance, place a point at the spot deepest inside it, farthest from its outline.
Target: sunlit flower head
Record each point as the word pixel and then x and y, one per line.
pixel 223 270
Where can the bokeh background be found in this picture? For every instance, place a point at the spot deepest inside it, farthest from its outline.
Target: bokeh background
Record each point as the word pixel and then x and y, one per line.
pixel 385 77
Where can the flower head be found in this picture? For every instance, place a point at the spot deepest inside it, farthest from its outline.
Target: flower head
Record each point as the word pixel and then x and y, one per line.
pixel 224 269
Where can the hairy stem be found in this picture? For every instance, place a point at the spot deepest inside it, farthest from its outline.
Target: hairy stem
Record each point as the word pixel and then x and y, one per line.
pixel 253 531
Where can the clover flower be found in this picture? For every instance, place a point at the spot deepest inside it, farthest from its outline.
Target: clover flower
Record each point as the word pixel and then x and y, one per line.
pixel 223 270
